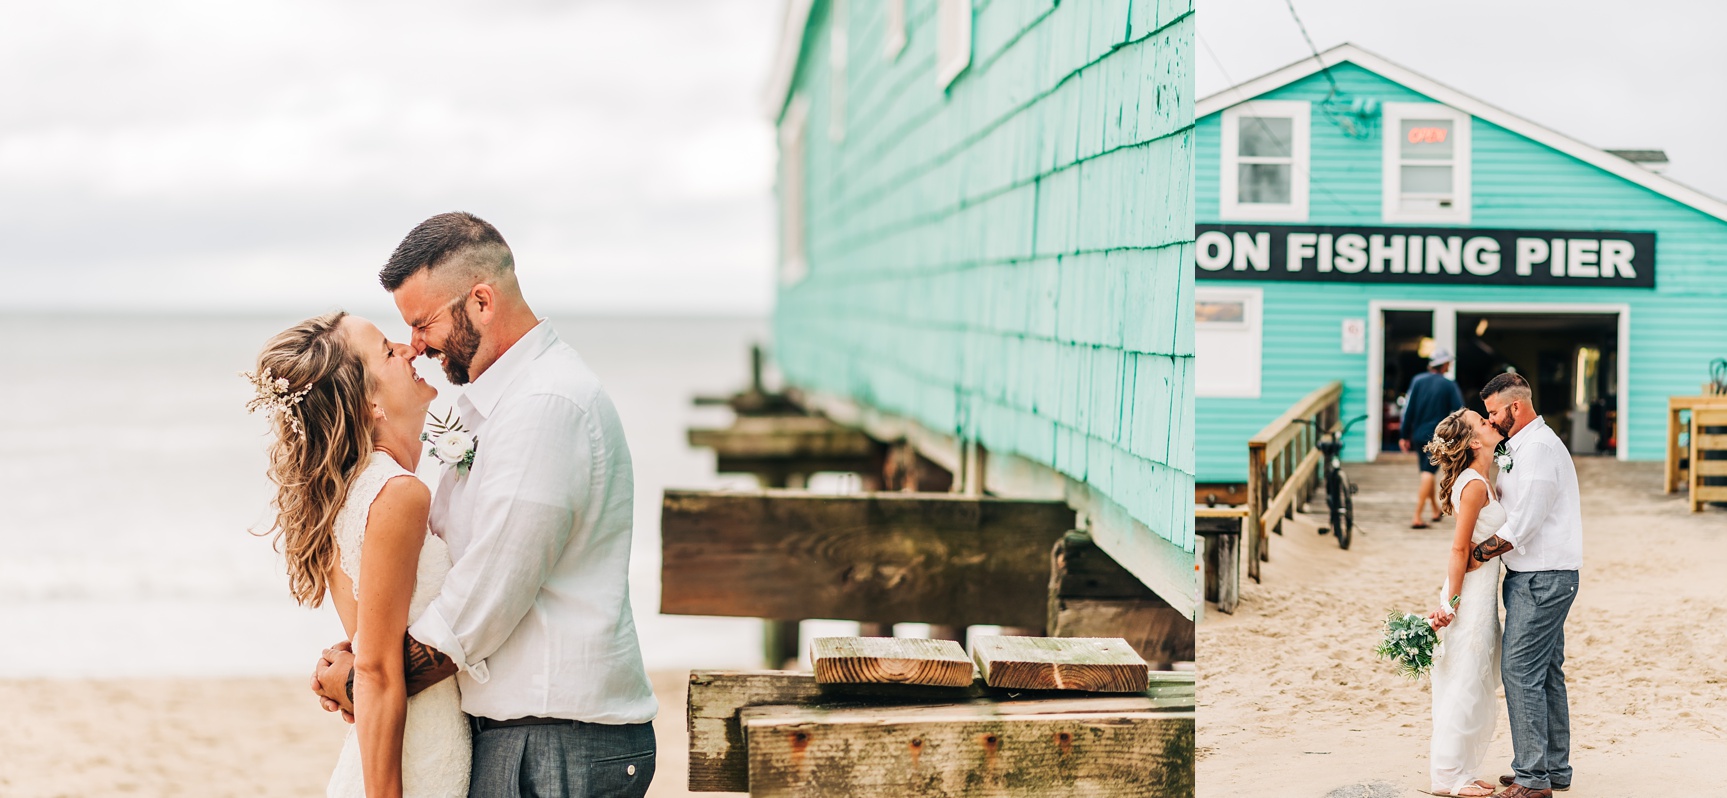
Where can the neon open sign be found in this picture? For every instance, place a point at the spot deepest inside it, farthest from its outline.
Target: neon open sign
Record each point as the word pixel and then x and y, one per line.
pixel 1427 135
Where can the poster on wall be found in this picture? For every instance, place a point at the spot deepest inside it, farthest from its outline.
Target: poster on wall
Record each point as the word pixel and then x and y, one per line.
pixel 1425 255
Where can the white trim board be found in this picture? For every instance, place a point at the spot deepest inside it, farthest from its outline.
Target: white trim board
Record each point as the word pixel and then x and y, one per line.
pixel 1445 334
pixel 1439 92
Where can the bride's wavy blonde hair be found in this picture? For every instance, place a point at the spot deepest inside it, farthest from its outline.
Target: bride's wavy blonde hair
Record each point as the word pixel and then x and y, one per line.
pixel 1449 450
pixel 313 465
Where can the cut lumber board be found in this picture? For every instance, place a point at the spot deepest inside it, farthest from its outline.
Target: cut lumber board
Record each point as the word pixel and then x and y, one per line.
pixel 1091 595
pixel 886 557
pixel 890 660
pixel 1035 748
pixel 1104 665
pixel 719 760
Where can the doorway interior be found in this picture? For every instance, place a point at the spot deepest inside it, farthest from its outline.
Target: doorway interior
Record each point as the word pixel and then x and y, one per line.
pixel 1571 355
pixel 1570 360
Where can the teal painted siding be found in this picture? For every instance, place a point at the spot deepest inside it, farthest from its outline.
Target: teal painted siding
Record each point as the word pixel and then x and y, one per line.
pixel 1008 260
pixel 1676 328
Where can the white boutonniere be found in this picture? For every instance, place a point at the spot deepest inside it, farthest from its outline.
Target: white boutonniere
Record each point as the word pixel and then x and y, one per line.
pixel 452 444
pixel 1502 458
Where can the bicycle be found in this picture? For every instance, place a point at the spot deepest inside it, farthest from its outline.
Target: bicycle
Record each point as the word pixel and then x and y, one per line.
pixel 1339 491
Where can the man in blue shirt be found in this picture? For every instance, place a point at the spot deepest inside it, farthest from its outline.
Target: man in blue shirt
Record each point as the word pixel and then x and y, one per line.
pixel 1432 397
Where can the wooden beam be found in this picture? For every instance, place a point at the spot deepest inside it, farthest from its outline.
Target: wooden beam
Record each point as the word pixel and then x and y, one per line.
pixel 1211 494
pixel 784 438
pixel 880 557
pixel 1091 595
pixel 890 660
pixel 1102 665
pixel 1047 748
pixel 718 756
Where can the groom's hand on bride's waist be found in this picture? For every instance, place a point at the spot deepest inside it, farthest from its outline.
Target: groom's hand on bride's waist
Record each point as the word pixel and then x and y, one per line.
pixel 1490 548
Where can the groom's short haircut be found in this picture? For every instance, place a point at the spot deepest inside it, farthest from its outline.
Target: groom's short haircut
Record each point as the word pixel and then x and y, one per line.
pixel 455 245
pixel 1510 383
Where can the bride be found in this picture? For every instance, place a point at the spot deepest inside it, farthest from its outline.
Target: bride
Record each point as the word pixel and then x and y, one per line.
pixel 1466 672
pixel 347 407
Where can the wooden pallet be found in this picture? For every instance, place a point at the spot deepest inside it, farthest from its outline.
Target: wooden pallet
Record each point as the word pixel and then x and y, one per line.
pixel 1708 456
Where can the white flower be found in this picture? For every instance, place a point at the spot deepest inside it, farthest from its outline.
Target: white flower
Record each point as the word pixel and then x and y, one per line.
pixel 1503 461
pixel 451 447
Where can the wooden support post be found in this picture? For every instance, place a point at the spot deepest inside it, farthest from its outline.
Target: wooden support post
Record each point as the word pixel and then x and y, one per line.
pixel 1041 749
pixel 890 660
pixel 1091 595
pixel 882 557
pixel 1089 664
pixel 1223 531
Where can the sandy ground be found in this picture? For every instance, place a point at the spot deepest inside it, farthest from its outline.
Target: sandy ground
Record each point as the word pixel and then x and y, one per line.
pixel 234 737
pixel 1292 702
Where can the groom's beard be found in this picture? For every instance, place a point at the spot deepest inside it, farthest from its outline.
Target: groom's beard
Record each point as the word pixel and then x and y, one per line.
pixel 1504 429
pixel 459 347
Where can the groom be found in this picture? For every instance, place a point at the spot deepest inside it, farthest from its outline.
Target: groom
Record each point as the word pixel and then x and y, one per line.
pixel 534 616
pixel 1542 547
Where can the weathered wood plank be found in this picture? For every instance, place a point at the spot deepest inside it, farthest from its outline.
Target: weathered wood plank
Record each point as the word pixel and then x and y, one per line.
pixel 784 437
pixel 1107 665
pixel 718 762
pixel 718 757
pixel 890 660
pixel 972 750
pixel 880 557
pixel 1156 631
pixel 1091 595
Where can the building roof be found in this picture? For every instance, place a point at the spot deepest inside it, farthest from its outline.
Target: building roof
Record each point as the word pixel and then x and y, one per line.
pixel 797 19
pixel 1349 53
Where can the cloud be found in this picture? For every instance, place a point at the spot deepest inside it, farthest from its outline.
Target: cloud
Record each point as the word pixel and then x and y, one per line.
pixel 188 155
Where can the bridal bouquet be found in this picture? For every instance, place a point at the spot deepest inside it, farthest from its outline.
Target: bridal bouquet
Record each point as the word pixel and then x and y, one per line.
pixel 1409 643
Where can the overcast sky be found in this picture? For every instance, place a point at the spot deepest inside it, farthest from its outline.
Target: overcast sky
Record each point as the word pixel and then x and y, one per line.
pixel 237 156
pixel 270 154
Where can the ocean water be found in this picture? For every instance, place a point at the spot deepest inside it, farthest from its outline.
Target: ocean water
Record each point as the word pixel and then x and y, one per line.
pixel 130 474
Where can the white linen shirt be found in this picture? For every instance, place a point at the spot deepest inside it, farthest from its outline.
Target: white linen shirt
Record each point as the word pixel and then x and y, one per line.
pixel 536 608
pixel 1544 520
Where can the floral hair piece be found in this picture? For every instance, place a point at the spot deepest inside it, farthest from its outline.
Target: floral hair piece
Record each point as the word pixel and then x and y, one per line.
pixel 274 397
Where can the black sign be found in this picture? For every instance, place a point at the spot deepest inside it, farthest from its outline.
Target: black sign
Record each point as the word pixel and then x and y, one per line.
pixel 1430 255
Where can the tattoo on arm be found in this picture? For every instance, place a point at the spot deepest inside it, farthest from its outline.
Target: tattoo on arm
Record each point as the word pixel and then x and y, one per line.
pixel 423 665
pixel 351 685
pixel 1490 548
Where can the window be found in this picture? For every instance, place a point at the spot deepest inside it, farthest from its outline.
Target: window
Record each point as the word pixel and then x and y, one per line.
pixel 953 39
pixel 1265 161
pixel 1426 163
pixel 1226 342
pixel 793 260
pixel 893 38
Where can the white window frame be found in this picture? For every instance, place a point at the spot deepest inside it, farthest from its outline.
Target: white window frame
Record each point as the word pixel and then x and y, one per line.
pixel 893 39
pixel 794 181
pixel 1250 329
pixel 953 40
pixel 837 55
pixel 1300 115
pixel 1394 115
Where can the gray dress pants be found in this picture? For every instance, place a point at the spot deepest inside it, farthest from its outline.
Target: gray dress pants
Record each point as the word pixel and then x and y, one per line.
pixel 572 760
pixel 1531 663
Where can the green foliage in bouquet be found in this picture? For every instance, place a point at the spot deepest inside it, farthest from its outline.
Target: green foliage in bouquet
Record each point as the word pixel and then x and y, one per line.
pixel 1409 643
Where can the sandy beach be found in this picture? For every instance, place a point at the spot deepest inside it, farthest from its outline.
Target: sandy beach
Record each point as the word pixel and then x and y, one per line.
pixel 217 737
pixel 1293 703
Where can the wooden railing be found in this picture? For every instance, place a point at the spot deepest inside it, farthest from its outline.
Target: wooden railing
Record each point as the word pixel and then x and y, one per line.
pixel 1283 466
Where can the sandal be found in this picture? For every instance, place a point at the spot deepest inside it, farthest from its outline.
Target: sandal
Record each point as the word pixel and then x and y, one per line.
pixel 1419 525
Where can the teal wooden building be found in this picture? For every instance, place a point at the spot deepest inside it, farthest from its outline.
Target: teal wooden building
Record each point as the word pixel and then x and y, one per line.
pixel 1352 215
pixel 986 231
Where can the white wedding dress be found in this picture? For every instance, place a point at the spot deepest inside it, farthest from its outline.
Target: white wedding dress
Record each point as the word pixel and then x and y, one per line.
pixel 435 746
pixel 1466 669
